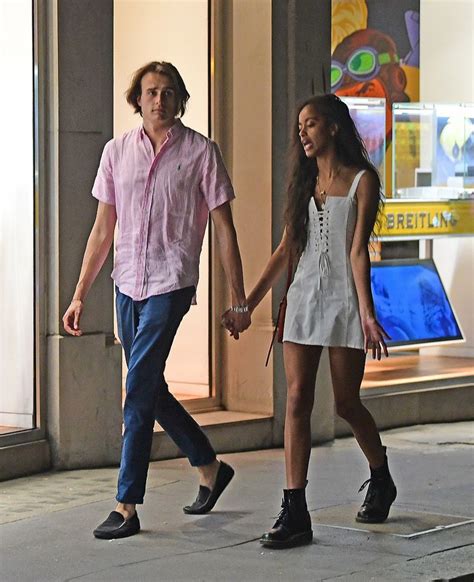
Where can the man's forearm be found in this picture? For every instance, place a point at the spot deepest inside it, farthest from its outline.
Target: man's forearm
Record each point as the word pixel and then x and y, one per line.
pixel 97 249
pixel 232 264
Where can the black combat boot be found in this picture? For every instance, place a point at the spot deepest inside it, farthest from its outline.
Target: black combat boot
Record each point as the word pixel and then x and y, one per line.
pixel 380 495
pixel 293 526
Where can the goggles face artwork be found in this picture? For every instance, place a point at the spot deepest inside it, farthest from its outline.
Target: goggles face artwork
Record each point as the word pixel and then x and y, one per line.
pixel 362 65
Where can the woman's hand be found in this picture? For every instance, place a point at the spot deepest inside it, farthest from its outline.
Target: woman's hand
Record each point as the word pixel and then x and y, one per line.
pixel 374 335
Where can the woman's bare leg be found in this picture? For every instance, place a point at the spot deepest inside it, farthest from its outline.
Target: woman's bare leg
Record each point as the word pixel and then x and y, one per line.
pixel 293 526
pixel 301 366
pixel 347 370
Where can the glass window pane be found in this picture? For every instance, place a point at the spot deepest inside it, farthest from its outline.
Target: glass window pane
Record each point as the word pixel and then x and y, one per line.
pixel 16 217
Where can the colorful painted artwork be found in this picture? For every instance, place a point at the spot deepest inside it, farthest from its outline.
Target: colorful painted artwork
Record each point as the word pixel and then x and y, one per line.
pixel 375 53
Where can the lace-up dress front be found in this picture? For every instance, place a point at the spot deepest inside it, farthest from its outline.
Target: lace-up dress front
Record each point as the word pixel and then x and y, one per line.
pixel 323 307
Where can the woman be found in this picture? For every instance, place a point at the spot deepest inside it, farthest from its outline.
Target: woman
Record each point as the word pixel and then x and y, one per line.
pixel 333 201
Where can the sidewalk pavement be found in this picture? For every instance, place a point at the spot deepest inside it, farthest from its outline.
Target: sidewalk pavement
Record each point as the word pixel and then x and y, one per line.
pixel 47 520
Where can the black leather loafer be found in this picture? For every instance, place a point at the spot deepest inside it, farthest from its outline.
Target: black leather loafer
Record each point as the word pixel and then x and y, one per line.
pixel 206 499
pixel 116 526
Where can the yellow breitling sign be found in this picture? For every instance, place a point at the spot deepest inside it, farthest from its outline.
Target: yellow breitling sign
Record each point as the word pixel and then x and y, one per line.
pixel 413 218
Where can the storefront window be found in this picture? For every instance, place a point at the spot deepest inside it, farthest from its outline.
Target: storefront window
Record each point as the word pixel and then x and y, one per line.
pixel 430 214
pixel 140 36
pixel 17 392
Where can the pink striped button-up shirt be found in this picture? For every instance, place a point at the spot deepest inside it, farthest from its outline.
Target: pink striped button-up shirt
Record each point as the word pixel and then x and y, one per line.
pixel 163 203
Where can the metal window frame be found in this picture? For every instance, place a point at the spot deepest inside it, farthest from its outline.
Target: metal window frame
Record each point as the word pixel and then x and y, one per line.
pixel 212 402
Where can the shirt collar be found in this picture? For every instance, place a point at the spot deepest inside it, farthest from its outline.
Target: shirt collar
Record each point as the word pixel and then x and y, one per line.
pixel 174 130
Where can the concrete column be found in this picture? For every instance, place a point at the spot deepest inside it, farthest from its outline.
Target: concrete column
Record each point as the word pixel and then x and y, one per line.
pixel 301 50
pixel 84 374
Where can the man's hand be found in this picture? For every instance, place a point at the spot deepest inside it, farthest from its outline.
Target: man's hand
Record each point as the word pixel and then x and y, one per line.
pixel 236 323
pixel 72 317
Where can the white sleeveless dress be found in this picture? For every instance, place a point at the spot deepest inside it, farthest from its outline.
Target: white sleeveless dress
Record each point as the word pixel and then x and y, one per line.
pixel 323 308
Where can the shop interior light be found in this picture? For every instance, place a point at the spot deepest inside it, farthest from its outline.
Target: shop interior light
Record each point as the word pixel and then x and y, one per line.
pixel 365 102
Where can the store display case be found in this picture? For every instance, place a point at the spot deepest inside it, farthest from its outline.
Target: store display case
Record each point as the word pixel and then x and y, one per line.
pixel 432 172
pixel 368 114
pixel 433 147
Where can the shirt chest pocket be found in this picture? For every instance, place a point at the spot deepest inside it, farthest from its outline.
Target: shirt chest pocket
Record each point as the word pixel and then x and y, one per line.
pixel 178 207
pixel 131 182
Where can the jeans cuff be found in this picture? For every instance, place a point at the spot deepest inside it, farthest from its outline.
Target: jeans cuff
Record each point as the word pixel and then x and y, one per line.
pixel 129 501
pixel 201 463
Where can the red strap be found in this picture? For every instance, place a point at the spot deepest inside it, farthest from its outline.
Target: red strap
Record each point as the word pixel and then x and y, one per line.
pixel 275 331
pixel 289 275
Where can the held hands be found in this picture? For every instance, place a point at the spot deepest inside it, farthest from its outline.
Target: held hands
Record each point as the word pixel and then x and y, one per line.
pixel 235 322
pixel 72 317
pixel 374 335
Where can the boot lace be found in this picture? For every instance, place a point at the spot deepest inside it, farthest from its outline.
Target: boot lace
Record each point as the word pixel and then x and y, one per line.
pixel 370 491
pixel 282 517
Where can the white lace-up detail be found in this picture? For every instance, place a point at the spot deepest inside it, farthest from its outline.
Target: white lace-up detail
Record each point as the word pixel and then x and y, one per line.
pixel 322 244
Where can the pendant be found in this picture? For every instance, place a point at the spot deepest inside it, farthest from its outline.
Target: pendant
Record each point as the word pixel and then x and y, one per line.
pixel 322 194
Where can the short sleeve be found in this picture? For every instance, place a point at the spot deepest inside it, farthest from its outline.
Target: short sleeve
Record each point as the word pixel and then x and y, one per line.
pixel 216 186
pixel 104 188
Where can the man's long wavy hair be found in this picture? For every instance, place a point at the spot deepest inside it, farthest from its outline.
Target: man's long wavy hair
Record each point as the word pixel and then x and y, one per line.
pixel 350 151
pixel 162 68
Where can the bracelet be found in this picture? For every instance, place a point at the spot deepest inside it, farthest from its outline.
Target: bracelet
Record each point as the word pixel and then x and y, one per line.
pixel 240 308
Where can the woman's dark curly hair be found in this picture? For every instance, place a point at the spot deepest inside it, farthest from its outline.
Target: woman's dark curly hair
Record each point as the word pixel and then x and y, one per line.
pixel 163 68
pixel 350 151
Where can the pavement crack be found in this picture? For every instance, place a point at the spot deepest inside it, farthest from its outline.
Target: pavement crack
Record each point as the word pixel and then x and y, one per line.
pixel 456 443
pixel 168 556
pixel 408 560
pixel 341 575
pixel 346 574
pixel 440 551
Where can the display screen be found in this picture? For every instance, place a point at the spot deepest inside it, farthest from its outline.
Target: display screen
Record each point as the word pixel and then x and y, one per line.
pixel 411 303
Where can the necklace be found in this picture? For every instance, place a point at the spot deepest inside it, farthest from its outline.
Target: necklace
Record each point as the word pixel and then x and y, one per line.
pixel 324 192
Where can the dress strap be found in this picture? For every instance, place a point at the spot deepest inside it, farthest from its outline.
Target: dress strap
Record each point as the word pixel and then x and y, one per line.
pixel 355 183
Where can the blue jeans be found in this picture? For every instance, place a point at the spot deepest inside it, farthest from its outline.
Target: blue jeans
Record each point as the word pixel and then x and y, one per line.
pixel 147 329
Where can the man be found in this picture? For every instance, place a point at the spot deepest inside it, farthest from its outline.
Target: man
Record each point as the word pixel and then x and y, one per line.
pixel 158 182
